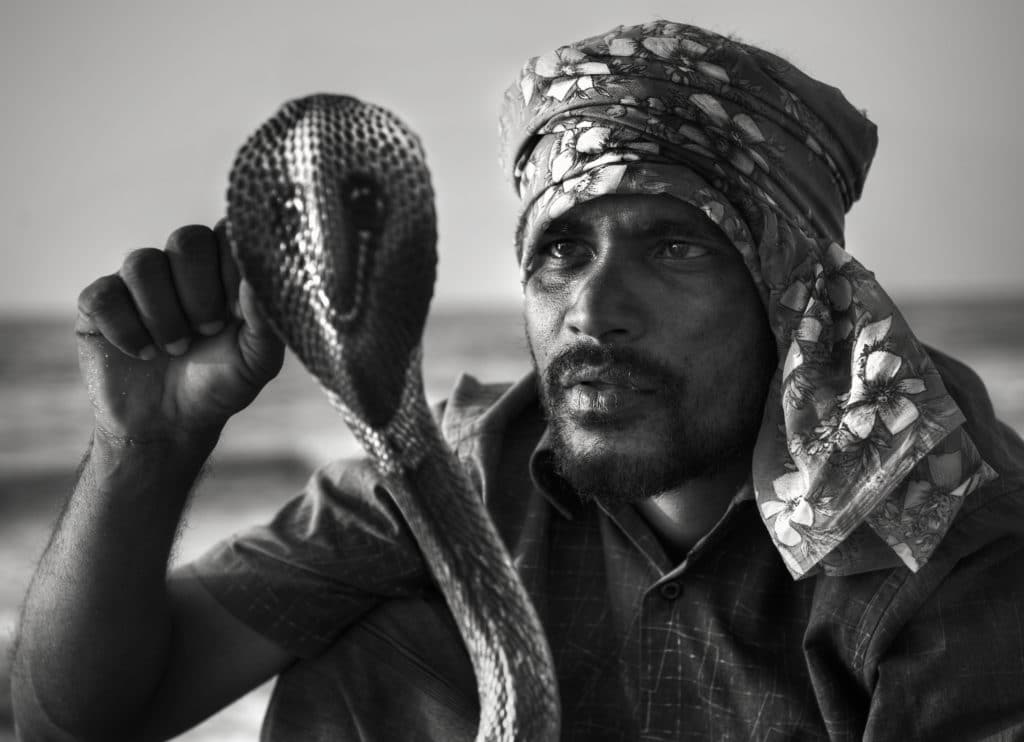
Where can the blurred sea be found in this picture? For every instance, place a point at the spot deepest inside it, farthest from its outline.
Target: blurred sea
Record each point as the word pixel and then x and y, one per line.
pixel 266 454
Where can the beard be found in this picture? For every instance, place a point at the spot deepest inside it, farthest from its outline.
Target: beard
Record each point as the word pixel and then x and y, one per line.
pixel 691 439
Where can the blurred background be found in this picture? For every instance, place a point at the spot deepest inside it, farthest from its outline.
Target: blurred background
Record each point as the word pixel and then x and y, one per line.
pixel 122 119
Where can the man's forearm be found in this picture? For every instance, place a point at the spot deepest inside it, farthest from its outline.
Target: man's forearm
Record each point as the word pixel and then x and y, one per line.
pixel 96 627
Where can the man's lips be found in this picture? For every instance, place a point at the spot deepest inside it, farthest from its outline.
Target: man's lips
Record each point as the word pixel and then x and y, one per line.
pixel 607 379
pixel 601 386
pixel 605 391
pixel 595 402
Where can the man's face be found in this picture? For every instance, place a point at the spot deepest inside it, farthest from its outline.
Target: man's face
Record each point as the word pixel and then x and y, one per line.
pixel 651 345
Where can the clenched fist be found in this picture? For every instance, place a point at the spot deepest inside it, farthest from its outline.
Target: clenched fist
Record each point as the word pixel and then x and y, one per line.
pixel 173 344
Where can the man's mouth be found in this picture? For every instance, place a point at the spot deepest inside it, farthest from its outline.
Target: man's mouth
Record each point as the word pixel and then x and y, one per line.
pixel 602 392
pixel 609 378
pixel 606 386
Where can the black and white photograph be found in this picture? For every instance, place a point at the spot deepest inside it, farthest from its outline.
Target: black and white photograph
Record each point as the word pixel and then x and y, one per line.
pixel 522 371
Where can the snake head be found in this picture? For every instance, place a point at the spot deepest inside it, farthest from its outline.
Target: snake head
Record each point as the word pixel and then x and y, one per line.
pixel 331 218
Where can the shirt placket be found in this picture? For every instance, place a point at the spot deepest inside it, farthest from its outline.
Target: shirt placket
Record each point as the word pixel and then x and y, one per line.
pixel 665 659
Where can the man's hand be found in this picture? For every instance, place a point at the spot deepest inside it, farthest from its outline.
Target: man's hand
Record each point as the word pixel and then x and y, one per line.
pixel 105 642
pixel 173 344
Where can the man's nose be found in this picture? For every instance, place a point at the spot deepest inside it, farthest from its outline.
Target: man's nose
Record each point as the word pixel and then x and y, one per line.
pixel 607 303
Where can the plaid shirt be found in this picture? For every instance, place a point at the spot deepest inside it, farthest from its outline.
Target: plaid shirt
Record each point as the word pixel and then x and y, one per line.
pixel 723 645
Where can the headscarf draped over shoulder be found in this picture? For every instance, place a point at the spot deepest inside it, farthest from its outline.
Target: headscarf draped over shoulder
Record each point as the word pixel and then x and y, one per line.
pixel 861 445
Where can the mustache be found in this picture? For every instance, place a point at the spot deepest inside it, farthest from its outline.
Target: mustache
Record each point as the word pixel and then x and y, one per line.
pixel 616 365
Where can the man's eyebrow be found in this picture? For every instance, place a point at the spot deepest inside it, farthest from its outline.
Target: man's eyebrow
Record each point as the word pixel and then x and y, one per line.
pixel 670 226
pixel 567 224
pixel 572 224
pixel 689 224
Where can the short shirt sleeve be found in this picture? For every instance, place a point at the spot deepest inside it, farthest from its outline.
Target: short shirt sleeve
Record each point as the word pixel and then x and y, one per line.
pixel 327 557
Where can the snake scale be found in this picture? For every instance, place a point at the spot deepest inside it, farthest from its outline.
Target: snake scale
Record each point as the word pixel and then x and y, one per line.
pixel 330 215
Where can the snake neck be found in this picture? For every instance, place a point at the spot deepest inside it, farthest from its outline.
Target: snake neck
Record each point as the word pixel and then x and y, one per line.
pixel 404 440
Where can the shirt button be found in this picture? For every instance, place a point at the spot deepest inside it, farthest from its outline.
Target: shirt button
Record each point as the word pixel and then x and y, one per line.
pixel 670 590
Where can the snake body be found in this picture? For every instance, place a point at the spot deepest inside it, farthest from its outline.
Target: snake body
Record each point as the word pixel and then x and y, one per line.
pixel 331 218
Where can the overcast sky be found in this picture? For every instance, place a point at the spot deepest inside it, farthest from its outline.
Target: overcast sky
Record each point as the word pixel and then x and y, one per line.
pixel 121 120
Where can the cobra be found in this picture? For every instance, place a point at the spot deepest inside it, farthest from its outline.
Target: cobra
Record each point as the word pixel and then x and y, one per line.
pixel 330 216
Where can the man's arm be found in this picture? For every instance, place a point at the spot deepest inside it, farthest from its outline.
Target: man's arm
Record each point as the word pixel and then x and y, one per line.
pixel 955 670
pixel 109 648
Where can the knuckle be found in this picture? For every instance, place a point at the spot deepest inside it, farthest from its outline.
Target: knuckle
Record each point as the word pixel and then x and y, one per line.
pixel 203 305
pixel 143 265
pixel 102 297
pixel 192 242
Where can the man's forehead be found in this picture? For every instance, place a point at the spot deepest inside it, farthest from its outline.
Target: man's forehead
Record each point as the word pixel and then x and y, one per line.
pixel 633 212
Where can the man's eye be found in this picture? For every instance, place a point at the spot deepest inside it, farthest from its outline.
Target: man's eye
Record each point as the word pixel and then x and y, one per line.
pixel 564 250
pixel 678 250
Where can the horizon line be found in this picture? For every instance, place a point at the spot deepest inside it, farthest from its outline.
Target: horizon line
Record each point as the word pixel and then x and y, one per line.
pixel 999 295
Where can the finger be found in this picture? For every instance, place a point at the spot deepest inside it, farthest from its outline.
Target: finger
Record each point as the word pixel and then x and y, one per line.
pixel 147 274
pixel 194 258
pixel 259 344
pixel 252 314
pixel 229 274
pixel 105 307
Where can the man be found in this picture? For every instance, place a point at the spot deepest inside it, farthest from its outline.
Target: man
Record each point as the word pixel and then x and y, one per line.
pixel 745 500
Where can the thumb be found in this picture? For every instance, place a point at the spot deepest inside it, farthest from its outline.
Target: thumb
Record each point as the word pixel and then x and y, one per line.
pixel 261 348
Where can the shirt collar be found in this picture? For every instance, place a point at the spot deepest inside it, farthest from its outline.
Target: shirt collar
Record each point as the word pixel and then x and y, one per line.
pixel 549 482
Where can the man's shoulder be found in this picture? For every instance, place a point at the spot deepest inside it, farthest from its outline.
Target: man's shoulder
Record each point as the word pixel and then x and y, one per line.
pixel 468 399
pixel 995 511
pixel 870 615
pixel 475 408
pixel 999 445
pixel 975 564
pixel 472 410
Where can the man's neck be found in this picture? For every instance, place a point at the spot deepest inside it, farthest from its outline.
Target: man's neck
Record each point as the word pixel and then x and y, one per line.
pixel 682 516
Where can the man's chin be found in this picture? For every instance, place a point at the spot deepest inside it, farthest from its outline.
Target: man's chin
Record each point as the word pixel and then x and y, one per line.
pixel 615 464
pixel 594 440
pixel 612 478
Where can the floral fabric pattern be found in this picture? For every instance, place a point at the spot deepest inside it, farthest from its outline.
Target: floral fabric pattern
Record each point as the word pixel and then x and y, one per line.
pixel 860 440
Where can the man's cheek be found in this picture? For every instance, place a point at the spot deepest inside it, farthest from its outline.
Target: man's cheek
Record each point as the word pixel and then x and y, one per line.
pixel 540 340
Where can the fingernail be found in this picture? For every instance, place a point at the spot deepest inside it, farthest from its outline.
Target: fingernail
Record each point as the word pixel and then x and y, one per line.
pixel 236 309
pixel 211 328
pixel 177 347
pixel 148 353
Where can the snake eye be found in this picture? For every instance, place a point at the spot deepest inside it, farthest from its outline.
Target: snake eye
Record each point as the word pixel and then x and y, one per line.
pixel 364 202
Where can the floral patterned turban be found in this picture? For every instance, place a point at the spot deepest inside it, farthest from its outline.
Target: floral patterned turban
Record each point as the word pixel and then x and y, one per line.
pixel 860 439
